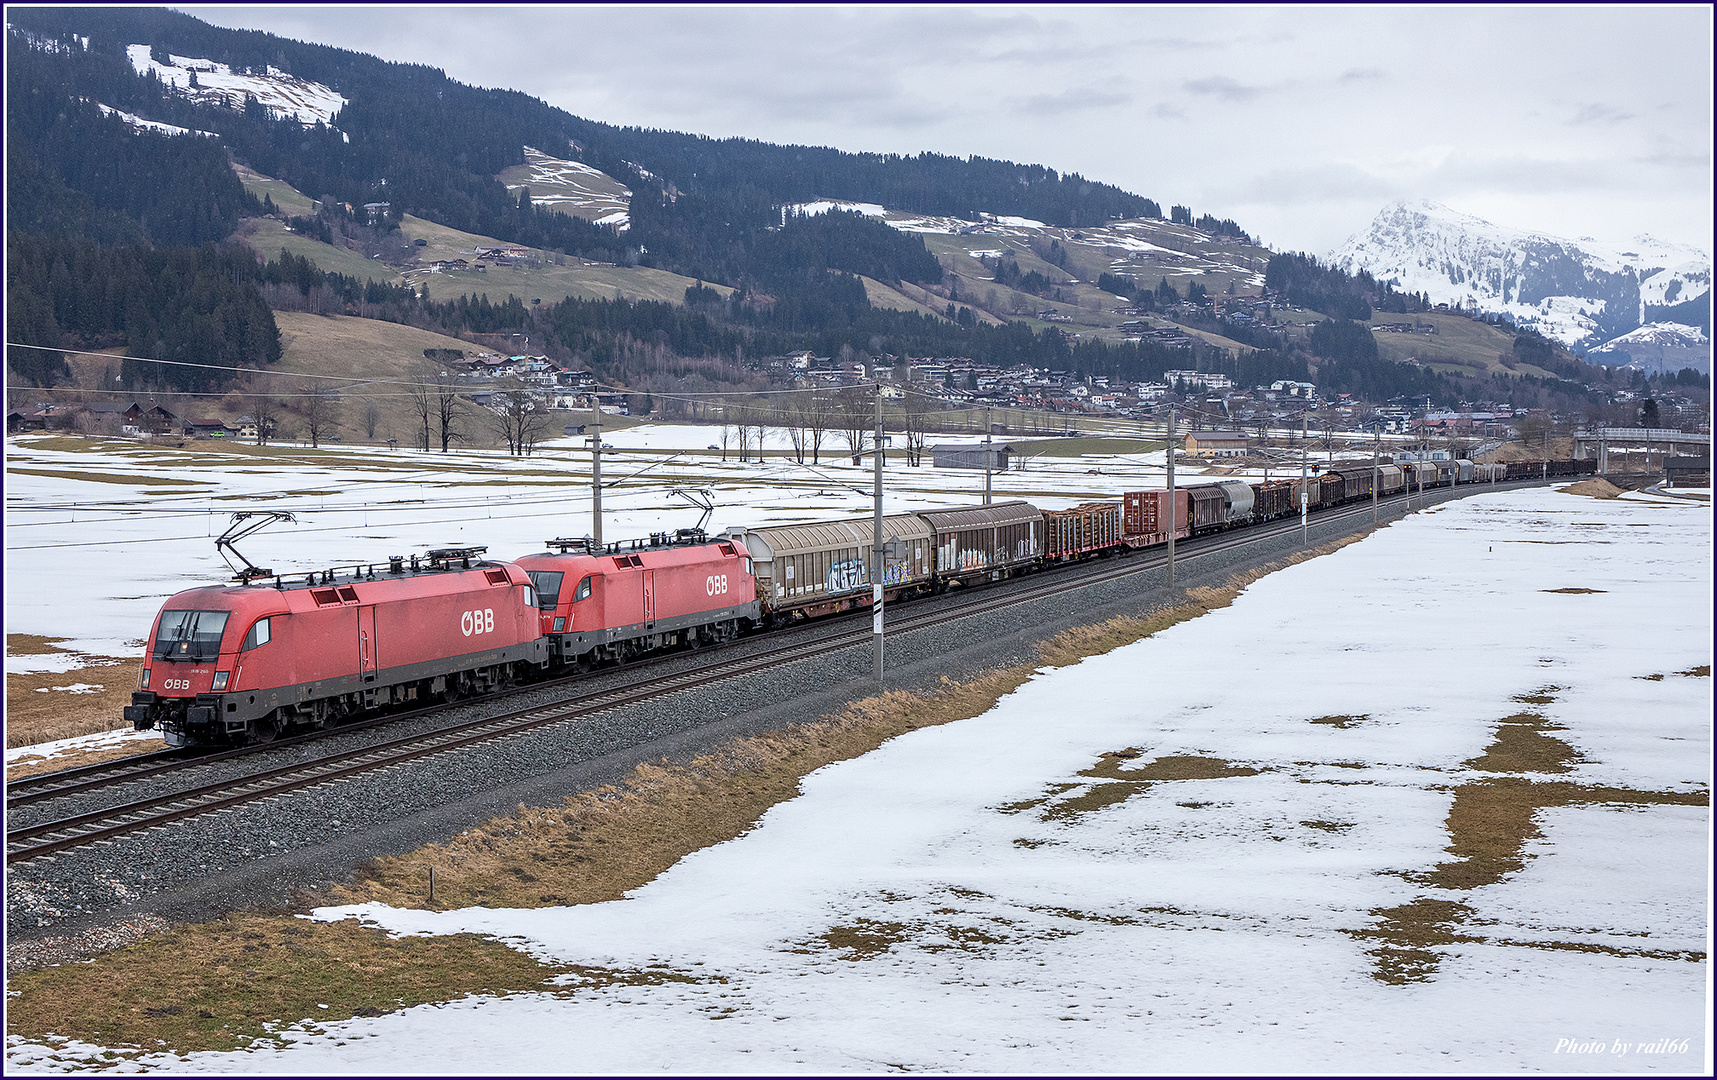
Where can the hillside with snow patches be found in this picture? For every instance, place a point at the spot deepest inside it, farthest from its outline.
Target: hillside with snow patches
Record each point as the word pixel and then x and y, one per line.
pixel 282 94
pixel 1585 293
pixel 1140 247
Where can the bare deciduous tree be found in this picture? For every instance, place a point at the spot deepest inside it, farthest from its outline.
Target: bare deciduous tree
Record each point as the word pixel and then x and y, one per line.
pixel 265 410
pixel 1327 420
pixel 449 411
pixel 915 410
pixel 789 416
pixel 320 410
pixel 423 404
pixel 518 416
pixel 439 407
pixel 855 408
pixel 819 418
pixel 750 433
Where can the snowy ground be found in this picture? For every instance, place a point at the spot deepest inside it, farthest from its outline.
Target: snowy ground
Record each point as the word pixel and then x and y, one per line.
pixel 965 899
pixel 84 744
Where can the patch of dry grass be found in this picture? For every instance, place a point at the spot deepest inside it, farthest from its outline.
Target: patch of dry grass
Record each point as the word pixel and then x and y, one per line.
pixel 1490 822
pixel 1340 722
pixel 1521 746
pixel 1125 782
pixel 124 479
pixel 33 645
pixel 221 985
pixel 37 712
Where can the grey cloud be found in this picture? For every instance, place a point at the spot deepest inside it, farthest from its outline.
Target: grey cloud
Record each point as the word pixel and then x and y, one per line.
pixel 1673 160
pixel 1601 113
pixel 1223 87
pixel 1181 44
pixel 1069 101
pixel 1306 186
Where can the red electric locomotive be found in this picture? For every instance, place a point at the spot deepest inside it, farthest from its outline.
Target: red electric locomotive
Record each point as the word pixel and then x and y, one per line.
pixel 245 662
pixel 612 603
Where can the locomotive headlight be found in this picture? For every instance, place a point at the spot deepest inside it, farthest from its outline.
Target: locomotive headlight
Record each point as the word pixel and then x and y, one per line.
pixel 221 680
pixel 145 678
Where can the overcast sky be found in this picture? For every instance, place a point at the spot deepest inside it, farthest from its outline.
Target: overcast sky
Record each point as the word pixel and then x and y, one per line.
pixel 1298 123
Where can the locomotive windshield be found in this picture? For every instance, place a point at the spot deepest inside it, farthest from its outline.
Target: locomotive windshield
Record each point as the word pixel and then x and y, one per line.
pixel 547 583
pixel 190 635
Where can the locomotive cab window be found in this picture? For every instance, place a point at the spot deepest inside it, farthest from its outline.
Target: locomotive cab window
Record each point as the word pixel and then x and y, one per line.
pixel 583 592
pixel 190 635
pixel 258 635
pixel 547 584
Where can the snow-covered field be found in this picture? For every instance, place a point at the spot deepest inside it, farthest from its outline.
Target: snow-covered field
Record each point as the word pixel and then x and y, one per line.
pixel 998 896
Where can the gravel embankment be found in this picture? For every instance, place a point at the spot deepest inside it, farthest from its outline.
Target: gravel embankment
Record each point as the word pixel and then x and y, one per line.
pixel 258 855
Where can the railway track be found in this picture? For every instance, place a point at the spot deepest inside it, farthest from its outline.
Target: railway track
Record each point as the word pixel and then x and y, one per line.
pixel 50 837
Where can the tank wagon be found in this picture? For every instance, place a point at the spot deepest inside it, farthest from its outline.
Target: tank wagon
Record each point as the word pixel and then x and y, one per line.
pixel 247 662
pixel 1218 506
pixel 612 603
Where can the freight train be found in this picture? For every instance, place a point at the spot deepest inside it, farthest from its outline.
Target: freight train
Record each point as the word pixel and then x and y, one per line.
pixel 242 663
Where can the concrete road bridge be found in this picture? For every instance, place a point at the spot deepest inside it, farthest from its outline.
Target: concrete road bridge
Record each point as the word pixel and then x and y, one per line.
pixel 1667 440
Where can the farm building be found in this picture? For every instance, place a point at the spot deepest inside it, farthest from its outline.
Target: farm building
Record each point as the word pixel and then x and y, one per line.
pixel 1216 443
pixel 958 456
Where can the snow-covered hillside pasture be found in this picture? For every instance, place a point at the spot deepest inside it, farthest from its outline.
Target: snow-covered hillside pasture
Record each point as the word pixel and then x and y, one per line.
pixel 1118 241
pixel 281 93
pixel 575 188
pixel 1581 292
pixel 152 125
pixel 1033 890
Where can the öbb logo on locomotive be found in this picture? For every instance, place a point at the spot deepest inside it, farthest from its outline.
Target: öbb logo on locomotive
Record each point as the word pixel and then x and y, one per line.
pixel 279 649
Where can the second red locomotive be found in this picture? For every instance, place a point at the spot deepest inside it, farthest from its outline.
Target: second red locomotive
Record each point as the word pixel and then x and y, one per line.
pixel 612 603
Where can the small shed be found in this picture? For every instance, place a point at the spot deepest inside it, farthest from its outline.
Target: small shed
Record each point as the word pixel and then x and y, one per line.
pixel 1216 443
pixel 971 456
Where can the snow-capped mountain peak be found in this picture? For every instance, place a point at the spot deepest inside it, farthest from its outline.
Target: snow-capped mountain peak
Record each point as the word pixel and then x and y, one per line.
pixel 1579 291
